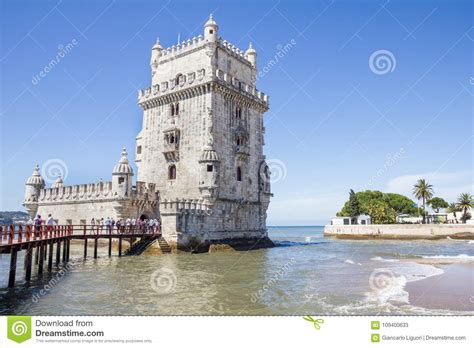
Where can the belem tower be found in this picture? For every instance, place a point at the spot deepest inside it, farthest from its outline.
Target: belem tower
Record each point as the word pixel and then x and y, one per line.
pixel 201 168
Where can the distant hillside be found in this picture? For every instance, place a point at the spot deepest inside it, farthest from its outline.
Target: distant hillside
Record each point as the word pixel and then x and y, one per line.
pixel 13 217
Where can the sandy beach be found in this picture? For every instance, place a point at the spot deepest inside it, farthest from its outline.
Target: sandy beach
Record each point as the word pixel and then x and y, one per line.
pixel 454 289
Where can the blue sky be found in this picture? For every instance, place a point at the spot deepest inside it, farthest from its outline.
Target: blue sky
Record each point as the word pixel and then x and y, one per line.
pixel 335 121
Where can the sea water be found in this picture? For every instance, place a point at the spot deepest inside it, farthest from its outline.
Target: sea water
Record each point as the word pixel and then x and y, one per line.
pixel 304 273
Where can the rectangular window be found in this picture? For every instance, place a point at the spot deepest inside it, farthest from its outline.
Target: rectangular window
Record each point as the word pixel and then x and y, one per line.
pixel 121 180
pixel 209 168
pixel 139 149
pixel 346 221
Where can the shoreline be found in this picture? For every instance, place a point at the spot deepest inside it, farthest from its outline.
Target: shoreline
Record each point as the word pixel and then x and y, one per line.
pixel 452 290
pixel 401 231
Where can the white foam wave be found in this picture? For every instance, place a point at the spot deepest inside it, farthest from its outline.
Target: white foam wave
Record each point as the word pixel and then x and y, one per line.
pixel 349 262
pixel 460 256
pixel 378 258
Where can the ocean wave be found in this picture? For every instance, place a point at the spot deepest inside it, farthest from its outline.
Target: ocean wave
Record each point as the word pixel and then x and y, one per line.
pixel 378 258
pixel 460 256
pixel 389 287
pixel 289 243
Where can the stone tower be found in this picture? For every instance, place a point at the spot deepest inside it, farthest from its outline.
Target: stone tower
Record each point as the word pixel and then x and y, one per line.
pixel 122 176
pixel 202 141
pixel 34 185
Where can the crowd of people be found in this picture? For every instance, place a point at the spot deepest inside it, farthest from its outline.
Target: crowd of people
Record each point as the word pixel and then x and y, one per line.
pixel 109 224
pixel 129 224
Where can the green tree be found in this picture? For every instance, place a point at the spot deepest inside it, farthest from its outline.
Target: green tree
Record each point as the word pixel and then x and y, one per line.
pixel 424 191
pixel 353 209
pixel 401 204
pixel 453 208
pixel 381 213
pixel 436 203
pixel 465 202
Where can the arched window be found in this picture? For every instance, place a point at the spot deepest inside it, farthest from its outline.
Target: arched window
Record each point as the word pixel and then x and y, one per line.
pixel 172 172
pixel 176 109
pixel 238 113
pixel 172 109
pixel 239 174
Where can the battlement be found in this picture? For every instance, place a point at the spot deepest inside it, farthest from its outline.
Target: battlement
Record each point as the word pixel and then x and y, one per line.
pixel 197 42
pixel 182 48
pixel 185 206
pixel 98 190
pixel 94 191
pixel 232 50
pixel 187 80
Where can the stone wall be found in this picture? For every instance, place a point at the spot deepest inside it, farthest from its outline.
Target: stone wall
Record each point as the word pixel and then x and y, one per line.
pixel 401 231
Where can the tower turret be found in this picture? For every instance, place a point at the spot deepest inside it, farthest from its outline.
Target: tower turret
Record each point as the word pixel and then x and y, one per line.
pixel 155 53
pixel 58 183
pixel 34 184
pixel 251 55
pixel 210 29
pixel 122 176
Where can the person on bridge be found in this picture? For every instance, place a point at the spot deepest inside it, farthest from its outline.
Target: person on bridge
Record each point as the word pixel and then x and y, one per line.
pixel 92 225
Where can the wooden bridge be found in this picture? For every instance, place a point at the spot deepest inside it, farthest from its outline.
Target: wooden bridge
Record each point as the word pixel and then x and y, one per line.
pixel 44 239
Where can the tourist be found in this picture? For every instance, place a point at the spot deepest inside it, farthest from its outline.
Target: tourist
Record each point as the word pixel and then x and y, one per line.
pixel 107 224
pixel 101 224
pixel 151 225
pixel 92 225
pixel 38 223
pixel 119 225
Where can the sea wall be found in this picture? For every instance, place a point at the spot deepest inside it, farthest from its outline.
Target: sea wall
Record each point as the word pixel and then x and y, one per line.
pixel 401 231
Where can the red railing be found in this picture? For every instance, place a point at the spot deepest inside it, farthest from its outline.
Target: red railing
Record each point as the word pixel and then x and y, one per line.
pixel 15 234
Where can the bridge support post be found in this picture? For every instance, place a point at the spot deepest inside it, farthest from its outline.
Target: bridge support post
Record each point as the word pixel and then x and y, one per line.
pixel 37 254
pixel 50 256
pixel 64 249
pixel 28 259
pixel 58 252
pixel 45 250
pixel 11 277
pixel 68 245
pixel 110 246
pixel 95 247
pixel 41 258
pixel 85 247
pixel 120 246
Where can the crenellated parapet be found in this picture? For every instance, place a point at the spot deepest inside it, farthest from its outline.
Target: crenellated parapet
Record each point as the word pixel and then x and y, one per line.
pixel 185 206
pixel 161 94
pixel 102 190
pixel 85 192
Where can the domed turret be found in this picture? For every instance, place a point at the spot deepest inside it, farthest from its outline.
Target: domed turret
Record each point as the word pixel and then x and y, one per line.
pixel 34 184
pixel 251 55
pixel 209 155
pixel 209 176
pixel 123 166
pixel 58 183
pixel 122 176
pixel 155 53
pixel 210 29
pixel 36 179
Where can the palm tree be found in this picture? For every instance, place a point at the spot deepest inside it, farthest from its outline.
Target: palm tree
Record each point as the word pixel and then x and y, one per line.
pixel 424 191
pixel 465 202
pixel 453 208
